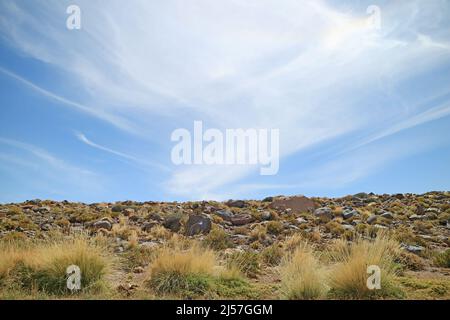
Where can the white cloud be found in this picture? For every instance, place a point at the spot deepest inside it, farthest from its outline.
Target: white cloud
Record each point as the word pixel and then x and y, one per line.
pixel 306 68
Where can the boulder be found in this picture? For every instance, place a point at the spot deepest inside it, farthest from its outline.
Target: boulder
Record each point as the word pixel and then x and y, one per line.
pixel 266 215
pixel 372 219
pixel 387 215
pixel 295 203
pixel 241 219
pixel 197 224
pixel 324 213
pixel 172 223
pixel 348 213
pixel 236 203
pixel 224 214
pixel 103 224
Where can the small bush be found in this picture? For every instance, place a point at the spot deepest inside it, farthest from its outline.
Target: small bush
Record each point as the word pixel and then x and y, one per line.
pixel 302 277
pixel 348 278
pixel 272 255
pixel 247 262
pixel 442 259
pixel 274 227
pixel 42 266
pixel 182 272
pixel 218 239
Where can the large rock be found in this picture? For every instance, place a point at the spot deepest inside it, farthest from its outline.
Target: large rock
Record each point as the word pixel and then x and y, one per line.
pixel 197 224
pixel 387 215
pixel 172 223
pixel 372 219
pixel 224 214
pixel 103 224
pixel 295 203
pixel 324 213
pixel 348 213
pixel 241 219
pixel 236 203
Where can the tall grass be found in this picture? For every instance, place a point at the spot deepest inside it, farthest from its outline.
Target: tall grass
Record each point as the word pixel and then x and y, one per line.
pixel 348 278
pixel 302 276
pixel 41 266
pixel 182 271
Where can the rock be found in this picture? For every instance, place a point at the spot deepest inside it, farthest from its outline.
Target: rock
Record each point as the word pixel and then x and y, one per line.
pixel 324 213
pixel 148 244
pixel 46 227
pixel 197 224
pixel 416 217
pixel 301 220
pixel 413 249
pixel 224 214
pixel 116 209
pixel 387 215
pixel 267 199
pixel 372 219
pixel 138 269
pixel 348 227
pixel 148 226
pixel 172 223
pixel 154 216
pixel 128 212
pixel 241 219
pixel 379 226
pixel 266 215
pixel 296 204
pixel 103 224
pixel 236 203
pixel 347 213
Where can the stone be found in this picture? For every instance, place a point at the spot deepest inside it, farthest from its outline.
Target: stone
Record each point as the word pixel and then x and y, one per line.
pixel 301 220
pixel 266 215
pixel 224 214
pixel 138 269
pixel 241 219
pixel 46 227
pixel 348 227
pixel 116 209
pixel 197 224
pixel 172 223
pixel 324 213
pixel 413 249
pixel 348 213
pixel 267 199
pixel 148 226
pixel 416 217
pixel 387 215
pixel 128 212
pixel 295 203
pixel 372 219
pixel 103 224
pixel 236 203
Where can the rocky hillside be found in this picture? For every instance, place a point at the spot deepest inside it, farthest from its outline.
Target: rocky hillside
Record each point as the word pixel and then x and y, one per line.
pixel 420 223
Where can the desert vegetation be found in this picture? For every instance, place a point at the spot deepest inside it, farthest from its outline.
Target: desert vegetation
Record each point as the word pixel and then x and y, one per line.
pixel 278 248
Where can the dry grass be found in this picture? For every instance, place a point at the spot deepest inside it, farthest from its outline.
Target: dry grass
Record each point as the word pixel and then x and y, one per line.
pixel 348 278
pixel 183 272
pixel 41 266
pixel 302 276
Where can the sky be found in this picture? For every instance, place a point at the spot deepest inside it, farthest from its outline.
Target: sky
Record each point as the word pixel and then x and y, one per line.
pixel 361 98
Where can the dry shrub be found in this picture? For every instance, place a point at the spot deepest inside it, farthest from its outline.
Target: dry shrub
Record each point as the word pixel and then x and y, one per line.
pixel 302 276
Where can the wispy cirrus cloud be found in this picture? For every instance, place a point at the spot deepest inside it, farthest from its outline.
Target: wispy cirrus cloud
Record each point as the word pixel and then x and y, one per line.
pixel 312 69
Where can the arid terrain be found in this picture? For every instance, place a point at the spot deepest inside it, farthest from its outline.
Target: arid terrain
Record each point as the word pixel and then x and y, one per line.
pixel 277 248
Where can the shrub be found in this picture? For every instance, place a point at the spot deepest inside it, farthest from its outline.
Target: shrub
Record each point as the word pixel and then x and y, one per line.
pixel 247 262
pixel 272 255
pixel 218 239
pixel 348 278
pixel 183 272
pixel 302 277
pixel 274 227
pixel 42 266
pixel 442 259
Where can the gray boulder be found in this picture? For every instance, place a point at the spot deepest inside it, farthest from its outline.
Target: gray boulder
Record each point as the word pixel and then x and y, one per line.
pixel 197 224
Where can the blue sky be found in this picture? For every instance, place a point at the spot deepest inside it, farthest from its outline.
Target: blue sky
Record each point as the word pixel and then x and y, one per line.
pixel 86 115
